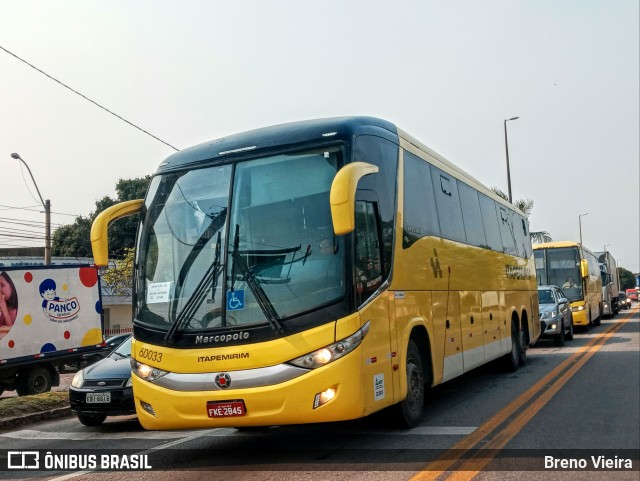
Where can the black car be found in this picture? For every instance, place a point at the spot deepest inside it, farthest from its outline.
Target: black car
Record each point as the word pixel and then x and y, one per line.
pixel 104 388
pixel 623 301
pixel 109 345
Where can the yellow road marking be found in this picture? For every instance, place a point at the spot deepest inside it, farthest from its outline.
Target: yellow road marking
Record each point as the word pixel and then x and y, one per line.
pixel 438 467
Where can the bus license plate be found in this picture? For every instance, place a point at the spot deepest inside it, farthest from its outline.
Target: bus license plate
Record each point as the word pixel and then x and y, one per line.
pixel 95 398
pixel 225 409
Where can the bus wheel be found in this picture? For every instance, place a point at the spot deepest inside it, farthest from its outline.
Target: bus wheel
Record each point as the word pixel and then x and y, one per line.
pixel 522 347
pixel 409 412
pixel 597 321
pixel 511 360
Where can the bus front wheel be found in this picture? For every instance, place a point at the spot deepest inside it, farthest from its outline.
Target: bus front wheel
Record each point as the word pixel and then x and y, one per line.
pixel 408 413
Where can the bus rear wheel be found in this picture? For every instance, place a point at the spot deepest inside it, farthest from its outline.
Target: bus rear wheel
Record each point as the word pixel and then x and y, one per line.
pixel 408 413
pixel 514 358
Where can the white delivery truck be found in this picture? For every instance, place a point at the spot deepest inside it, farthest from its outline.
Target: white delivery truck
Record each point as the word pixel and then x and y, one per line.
pixel 49 317
pixel 610 283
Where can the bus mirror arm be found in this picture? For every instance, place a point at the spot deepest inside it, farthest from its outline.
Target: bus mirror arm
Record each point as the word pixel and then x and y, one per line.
pixel 99 237
pixel 343 195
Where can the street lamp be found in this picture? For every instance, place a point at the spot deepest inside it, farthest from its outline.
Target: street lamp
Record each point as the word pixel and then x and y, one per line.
pixel 47 214
pixel 506 148
pixel 580 224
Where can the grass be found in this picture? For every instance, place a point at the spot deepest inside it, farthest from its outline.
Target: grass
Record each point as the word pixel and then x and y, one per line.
pixel 17 406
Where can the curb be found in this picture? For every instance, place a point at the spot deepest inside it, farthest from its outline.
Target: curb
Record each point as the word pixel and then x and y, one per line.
pixel 12 422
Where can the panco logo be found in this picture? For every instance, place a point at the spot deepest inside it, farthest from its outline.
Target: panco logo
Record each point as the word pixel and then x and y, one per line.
pixel 56 309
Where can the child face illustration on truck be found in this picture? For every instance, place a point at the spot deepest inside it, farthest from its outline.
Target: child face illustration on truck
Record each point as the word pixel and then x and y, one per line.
pixel 48 289
pixel 8 303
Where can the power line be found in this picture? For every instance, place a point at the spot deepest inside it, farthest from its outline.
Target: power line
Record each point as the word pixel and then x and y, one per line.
pixel 22 236
pixel 87 98
pixel 31 223
pixel 9 207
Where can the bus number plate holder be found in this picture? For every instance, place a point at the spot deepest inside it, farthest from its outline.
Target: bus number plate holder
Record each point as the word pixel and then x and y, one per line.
pixel 226 409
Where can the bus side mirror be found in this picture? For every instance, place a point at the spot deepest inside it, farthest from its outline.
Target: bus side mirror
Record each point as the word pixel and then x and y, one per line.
pixel 99 237
pixel 584 268
pixel 343 195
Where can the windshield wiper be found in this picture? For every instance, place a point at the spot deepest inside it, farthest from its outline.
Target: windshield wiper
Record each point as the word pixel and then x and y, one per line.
pixel 256 289
pixel 217 267
pixel 199 293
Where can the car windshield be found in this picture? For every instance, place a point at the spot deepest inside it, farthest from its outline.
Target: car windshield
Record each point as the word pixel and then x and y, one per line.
pixel 123 350
pixel 545 296
pixel 279 260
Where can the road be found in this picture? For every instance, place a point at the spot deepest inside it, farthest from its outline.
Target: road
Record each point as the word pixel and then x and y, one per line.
pixel 571 402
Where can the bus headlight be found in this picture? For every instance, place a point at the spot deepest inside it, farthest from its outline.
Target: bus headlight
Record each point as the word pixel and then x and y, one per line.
pixel 332 352
pixel 577 309
pixel 147 372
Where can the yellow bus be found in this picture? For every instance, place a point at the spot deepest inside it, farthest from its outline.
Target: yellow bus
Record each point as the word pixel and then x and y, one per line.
pixel 318 271
pixel 575 269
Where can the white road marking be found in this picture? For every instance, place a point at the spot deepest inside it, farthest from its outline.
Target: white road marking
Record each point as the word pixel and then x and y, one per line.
pixel 220 432
pixel 82 436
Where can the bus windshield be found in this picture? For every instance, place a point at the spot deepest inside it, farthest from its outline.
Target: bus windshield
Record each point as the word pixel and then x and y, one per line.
pixel 560 267
pixel 280 258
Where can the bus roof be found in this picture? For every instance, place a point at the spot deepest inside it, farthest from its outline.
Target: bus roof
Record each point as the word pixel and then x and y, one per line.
pixel 559 244
pixel 556 244
pixel 279 136
pixel 292 134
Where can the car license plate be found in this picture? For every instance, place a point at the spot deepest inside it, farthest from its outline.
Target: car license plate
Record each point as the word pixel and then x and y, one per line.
pixel 225 409
pixel 95 398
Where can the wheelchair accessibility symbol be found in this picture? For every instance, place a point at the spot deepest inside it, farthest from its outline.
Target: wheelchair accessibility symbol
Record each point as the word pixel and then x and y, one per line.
pixel 235 300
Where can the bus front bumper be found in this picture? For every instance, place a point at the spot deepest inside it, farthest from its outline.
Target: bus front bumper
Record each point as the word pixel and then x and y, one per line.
pixel 290 402
pixel 579 314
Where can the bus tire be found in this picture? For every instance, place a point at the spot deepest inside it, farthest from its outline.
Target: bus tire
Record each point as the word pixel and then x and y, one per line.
pixel 34 381
pixel 598 320
pixel 511 360
pixel 409 412
pixel 523 344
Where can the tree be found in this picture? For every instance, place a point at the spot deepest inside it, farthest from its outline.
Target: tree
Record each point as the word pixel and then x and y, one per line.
pixel 627 279
pixel 118 275
pixel 74 240
pixel 526 206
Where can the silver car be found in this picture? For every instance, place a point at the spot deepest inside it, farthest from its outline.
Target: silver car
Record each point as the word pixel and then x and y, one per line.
pixel 556 320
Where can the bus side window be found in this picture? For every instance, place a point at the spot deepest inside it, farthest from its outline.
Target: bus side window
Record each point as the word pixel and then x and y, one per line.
pixel 368 265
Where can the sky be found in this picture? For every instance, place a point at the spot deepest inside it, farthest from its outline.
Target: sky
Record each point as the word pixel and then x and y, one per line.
pixel 448 73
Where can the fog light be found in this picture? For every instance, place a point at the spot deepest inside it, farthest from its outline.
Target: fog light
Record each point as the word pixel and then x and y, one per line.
pixel 553 327
pixel 324 397
pixel 148 408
